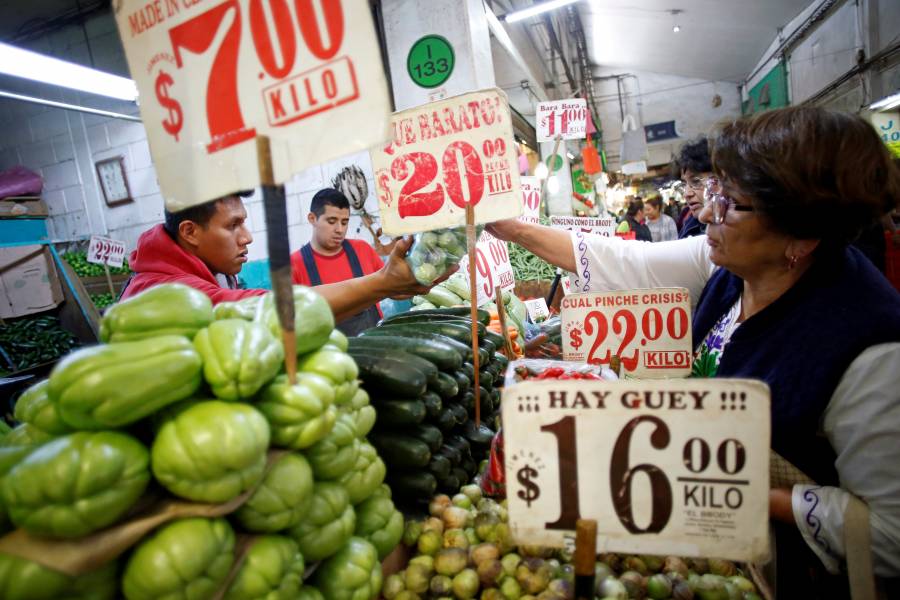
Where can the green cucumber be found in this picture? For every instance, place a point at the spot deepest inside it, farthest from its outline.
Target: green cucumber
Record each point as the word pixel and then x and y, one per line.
pixel 429 434
pixel 469 370
pixel 413 486
pixel 451 453
pixel 433 404
pixel 501 360
pixel 396 413
pixel 442 297
pixel 479 437
pixel 449 485
pixel 445 421
pixel 400 451
pixel 486 379
pixel 450 329
pixel 390 376
pixel 461 475
pixel 488 345
pixel 425 366
pixel 439 466
pixel 463 383
pixel 484 316
pixel 442 355
pixel 445 386
pixel 498 340
pixel 409 331
pixel 459 413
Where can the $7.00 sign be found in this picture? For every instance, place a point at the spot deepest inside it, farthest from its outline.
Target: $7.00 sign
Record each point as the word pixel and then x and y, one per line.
pixel 649 330
pixel 665 467
pixel 566 119
pixel 214 74
pixel 106 251
pixel 492 268
pixel 443 156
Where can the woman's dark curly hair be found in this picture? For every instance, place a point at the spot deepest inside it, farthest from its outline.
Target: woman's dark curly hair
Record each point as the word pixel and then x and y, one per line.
pixel 814 173
pixel 694 156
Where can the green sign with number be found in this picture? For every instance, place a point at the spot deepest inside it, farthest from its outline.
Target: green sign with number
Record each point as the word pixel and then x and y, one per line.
pixel 430 61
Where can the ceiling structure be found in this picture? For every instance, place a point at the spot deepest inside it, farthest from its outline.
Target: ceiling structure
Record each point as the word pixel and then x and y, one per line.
pixel 719 40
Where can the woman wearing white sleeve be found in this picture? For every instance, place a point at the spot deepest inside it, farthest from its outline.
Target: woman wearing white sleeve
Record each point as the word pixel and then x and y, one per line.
pixel 781 297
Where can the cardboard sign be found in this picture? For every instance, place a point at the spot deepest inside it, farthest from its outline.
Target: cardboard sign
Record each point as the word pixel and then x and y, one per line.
pixel 566 119
pixel 675 467
pixel 443 156
pixel 492 268
pixel 537 309
pixel 649 330
pixel 590 225
pixel 531 199
pixel 106 251
pixel 214 74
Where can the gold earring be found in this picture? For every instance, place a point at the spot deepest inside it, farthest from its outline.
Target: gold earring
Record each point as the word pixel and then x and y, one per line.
pixel 792 262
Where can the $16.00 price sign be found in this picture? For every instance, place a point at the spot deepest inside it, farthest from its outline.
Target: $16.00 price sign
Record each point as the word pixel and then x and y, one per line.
pixel 649 330
pixel 492 268
pixel 566 119
pixel 106 251
pixel 665 467
pixel 443 156
pixel 214 74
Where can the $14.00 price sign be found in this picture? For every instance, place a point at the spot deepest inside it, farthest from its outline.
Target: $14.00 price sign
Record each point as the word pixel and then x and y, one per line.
pixel 214 74
pixel 566 119
pixel 531 199
pixel 443 156
pixel 665 467
pixel 492 268
pixel 106 251
pixel 649 330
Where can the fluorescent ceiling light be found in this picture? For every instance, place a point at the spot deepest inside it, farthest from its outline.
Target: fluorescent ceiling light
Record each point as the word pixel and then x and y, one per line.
pixel 570 155
pixel 541 171
pixel 45 69
pixel 886 103
pixel 536 10
pixel 553 184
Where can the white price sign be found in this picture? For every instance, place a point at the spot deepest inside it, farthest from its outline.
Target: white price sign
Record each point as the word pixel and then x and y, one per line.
pixel 443 156
pixel 537 309
pixel 589 225
pixel 681 466
pixel 566 119
pixel 649 330
pixel 531 199
pixel 106 251
pixel 492 268
pixel 214 74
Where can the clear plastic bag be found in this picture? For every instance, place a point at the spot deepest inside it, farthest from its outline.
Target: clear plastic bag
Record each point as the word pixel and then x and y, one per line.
pixel 539 369
pixel 433 252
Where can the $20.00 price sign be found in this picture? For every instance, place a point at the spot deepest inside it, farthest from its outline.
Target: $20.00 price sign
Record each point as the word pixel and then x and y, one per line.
pixel 492 268
pixel 443 156
pixel 106 251
pixel 649 330
pixel 665 467
pixel 566 119
pixel 213 74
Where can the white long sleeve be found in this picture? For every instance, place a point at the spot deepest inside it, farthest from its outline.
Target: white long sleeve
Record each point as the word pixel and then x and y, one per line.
pixel 606 264
pixel 862 424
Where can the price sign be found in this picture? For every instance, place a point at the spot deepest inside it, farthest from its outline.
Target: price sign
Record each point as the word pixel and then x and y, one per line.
pixel 588 225
pixel 649 330
pixel 492 268
pixel 444 155
pixel 106 251
pixel 537 309
pixel 566 119
pixel 214 74
pixel 531 199
pixel 566 282
pixel 681 466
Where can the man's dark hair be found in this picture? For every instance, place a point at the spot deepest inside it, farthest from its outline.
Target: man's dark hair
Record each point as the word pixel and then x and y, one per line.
pixel 328 197
pixel 199 214
pixel 634 207
pixel 694 155
pixel 655 201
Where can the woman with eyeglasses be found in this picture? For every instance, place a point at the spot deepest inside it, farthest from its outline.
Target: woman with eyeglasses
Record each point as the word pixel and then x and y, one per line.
pixel 780 296
pixel 695 165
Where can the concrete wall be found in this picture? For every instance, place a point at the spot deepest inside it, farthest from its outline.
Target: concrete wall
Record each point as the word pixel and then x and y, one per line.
pixel 657 97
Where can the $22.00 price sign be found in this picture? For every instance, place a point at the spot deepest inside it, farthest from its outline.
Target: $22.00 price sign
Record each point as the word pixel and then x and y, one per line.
pixel 649 330
pixel 492 268
pixel 214 74
pixel 443 156
pixel 665 467
pixel 566 119
pixel 106 251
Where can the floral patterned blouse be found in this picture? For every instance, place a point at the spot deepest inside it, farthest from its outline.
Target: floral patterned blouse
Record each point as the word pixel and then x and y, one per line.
pixel 709 353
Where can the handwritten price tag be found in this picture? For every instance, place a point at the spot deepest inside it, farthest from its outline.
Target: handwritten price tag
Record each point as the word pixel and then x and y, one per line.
pixel 561 118
pixel 492 267
pixel 537 309
pixel 588 225
pixel 531 199
pixel 106 251
pixel 443 156
pixel 681 468
pixel 649 330
pixel 214 74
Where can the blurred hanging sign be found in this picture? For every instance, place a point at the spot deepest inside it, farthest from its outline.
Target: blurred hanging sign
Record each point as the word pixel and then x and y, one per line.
pixel 444 155
pixel 657 132
pixel 566 119
pixel 213 75
pixel 887 124
pixel 531 199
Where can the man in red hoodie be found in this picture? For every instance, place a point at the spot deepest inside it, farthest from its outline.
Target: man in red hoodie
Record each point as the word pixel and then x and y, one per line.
pixel 196 245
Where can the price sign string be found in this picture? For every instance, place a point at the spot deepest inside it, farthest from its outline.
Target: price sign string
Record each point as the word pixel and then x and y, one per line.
pixel 473 304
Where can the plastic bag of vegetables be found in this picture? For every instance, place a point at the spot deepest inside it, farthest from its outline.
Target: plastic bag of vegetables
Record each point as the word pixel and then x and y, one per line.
pixel 433 252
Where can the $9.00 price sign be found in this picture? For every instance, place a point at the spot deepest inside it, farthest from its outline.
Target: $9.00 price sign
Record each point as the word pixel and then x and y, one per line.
pixel 106 251
pixel 443 156
pixel 492 268
pixel 665 467
pixel 214 74
pixel 649 330
pixel 566 119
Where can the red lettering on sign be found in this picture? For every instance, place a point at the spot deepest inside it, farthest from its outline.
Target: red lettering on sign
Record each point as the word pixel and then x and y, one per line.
pixel 414 203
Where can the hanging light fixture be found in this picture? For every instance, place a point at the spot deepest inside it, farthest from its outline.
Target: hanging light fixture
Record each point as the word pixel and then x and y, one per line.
pixel 553 184
pixel 536 9
pixel 541 171
pixel 675 26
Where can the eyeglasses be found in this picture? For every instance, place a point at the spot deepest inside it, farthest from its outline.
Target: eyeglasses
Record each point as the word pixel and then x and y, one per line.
pixel 696 183
pixel 721 202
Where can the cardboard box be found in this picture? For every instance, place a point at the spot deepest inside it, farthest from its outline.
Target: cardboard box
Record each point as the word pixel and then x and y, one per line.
pixel 28 281
pixel 23 206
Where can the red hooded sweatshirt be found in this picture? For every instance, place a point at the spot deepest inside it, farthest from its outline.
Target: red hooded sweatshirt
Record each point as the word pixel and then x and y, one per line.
pixel 158 259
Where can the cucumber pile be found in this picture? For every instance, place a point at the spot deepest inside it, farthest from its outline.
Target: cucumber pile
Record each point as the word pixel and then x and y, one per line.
pixel 418 369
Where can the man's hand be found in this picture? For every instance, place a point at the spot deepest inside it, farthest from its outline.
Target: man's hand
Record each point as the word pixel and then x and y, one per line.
pixel 398 279
pixel 506 230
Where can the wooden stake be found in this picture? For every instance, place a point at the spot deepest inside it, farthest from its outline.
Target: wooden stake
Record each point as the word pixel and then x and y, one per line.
pixel 275 205
pixel 501 313
pixel 473 292
pixel 585 558
pixel 112 290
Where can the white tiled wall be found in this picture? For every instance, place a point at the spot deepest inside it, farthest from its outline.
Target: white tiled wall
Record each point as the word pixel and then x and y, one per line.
pixel 63 147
